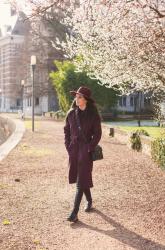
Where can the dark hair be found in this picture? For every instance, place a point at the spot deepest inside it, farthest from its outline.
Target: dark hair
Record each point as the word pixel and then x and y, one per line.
pixel 91 107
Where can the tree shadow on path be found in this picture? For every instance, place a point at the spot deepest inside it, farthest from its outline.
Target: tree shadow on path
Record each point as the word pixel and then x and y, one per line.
pixel 118 143
pixel 121 234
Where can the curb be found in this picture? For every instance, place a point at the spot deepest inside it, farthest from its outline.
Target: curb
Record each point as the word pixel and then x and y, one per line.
pixel 13 139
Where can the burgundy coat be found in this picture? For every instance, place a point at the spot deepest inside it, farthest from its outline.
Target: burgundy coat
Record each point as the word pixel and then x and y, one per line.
pixel 80 160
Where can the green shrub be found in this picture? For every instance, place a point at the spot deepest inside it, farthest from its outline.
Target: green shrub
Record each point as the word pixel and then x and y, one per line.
pixel 158 151
pixel 136 141
pixel 66 78
pixel 142 132
pixel 59 114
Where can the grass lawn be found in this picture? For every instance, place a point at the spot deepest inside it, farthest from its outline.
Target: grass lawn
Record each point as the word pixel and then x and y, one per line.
pixel 28 124
pixel 153 131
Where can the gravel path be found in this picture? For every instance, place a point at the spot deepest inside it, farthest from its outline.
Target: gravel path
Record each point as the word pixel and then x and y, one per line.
pixel 129 208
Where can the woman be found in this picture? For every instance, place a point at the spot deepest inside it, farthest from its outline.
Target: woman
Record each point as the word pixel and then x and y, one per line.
pixel 79 148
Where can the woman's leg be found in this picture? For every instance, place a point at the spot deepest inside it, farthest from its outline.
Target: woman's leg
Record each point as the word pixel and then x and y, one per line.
pixel 87 193
pixel 78 198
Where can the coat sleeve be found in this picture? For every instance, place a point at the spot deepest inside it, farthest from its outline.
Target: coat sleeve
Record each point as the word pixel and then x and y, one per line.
pixel 97 132
pixel 67 133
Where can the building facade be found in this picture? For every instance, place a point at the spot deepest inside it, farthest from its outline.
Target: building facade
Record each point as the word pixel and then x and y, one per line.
pixel 16 72
pixel 134 103
pixel 9 74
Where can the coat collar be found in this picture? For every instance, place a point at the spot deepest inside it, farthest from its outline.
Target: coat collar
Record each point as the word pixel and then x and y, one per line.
pixel 80 110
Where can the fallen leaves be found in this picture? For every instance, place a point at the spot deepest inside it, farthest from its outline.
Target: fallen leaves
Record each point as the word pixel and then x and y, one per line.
pixel 6 222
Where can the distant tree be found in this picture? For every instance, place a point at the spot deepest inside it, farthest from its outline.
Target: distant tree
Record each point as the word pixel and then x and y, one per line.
pixel 66 78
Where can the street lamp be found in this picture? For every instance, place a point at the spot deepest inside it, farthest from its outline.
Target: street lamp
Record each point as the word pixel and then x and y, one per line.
pixel 22 85
pixel 33 65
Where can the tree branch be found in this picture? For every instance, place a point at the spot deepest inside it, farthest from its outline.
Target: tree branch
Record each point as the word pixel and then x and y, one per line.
pixel 41 10
pixel 160 15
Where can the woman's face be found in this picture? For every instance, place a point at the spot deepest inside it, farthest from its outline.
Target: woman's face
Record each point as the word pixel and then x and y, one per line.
pixel 80 100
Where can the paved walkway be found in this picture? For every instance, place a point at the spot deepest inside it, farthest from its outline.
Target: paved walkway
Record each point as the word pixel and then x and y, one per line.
pixel 35 197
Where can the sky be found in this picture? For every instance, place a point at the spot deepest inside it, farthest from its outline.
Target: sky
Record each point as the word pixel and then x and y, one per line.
pixel 4 13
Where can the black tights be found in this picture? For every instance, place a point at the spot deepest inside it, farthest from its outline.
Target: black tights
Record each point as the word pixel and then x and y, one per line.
pixel 79 195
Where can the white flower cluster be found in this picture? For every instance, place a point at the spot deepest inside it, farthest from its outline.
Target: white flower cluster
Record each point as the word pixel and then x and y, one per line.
pixel 121 43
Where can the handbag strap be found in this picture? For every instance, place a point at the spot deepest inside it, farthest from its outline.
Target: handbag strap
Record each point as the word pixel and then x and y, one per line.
pixel 79 126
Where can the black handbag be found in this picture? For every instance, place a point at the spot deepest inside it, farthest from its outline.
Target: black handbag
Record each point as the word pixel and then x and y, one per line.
pixel 97 154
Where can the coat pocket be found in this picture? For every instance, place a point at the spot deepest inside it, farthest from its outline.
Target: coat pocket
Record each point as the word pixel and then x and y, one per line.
pixel 70 148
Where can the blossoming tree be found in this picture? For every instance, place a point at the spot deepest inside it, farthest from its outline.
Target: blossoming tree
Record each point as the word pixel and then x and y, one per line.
pixel 120 43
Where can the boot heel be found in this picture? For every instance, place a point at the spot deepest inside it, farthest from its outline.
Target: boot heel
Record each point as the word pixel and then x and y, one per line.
pixel 88 207
pixel 73 217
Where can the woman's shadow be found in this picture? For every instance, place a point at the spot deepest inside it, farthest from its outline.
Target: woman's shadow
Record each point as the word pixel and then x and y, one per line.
pixel 121 233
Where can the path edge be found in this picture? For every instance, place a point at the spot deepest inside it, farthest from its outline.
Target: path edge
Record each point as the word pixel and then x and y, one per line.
pixel 13 139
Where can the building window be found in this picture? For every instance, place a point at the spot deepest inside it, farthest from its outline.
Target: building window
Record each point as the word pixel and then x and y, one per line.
pixel 18 102
pixel 37 101
pixel 131 101
pixel 29 102
pixel 120 102
pixel 147 101
pixel 124 101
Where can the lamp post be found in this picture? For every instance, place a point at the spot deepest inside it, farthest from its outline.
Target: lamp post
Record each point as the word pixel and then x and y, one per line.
pixel 22 85
pixel 33 65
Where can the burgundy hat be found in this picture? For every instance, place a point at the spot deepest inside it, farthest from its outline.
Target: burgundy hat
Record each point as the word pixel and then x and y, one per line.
pixel 86 92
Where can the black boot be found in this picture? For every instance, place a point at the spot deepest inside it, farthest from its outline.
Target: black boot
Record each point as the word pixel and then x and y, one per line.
pixel 88 206
pixel 73 217
pixel 79 193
